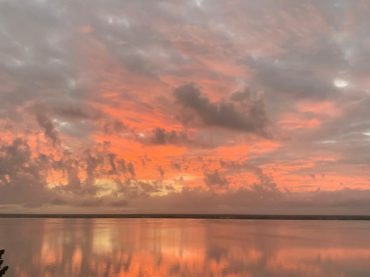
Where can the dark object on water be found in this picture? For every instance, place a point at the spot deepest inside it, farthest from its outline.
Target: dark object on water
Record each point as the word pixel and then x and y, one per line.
pixel 5 268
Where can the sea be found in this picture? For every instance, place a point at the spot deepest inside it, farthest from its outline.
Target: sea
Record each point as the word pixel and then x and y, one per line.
pixel 156 247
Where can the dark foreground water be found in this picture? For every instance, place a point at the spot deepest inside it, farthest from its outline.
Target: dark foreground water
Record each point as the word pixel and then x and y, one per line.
pixel 184 247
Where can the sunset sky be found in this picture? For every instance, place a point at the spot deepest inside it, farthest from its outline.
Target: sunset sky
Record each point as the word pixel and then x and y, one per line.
pixel 206 106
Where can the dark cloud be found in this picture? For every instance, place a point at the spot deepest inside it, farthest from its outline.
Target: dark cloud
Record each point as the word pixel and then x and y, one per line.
pixel 266 185
pixel 293 78
pixel 76 112
pixel 112 163
pixel 200 139
pixel 22 177
pixel 161 172
pixel 46 124
pixel 72 169
pixel 91 166
pixel 131 169
pixel 113 126
pixel 162 136
pixel 24 173
pixel 214 178
pixel 176 165
pixel 247 115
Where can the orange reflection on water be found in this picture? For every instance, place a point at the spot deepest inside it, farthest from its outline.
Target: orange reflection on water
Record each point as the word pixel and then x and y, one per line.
pixel 160 247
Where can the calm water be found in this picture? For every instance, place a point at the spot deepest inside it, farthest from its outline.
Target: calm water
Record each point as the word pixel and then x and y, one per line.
pixel 184 247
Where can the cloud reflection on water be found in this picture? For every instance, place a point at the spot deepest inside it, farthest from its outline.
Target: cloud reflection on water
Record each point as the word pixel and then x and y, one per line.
pixel 161 247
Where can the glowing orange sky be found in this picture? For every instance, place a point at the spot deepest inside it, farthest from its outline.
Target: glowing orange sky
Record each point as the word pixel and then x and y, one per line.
pixel 120 100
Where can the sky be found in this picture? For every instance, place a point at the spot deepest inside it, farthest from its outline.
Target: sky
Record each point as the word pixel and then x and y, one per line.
pixel 185 106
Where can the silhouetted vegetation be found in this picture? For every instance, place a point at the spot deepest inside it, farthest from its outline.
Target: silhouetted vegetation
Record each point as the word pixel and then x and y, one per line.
pixel 5 268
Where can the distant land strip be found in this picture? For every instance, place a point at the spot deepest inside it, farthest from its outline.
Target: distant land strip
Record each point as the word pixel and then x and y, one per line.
pixel 192 216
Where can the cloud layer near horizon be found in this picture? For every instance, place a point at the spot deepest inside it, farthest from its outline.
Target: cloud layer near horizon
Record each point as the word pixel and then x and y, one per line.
pixel 187 106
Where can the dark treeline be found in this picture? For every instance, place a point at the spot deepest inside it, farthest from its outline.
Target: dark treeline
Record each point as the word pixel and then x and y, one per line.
pixel 195 216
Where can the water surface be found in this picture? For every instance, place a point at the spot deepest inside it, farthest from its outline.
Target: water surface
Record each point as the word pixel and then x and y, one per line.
pixel 184 247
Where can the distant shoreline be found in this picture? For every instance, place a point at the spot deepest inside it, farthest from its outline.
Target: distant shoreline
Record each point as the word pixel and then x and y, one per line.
pixel 192 216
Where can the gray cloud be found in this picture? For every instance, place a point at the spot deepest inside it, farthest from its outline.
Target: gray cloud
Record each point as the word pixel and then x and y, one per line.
pixel 247 115
pixel 293 77
pixel 23 182
pixel 77 59
pixel 46 124
pixel 162 136
pixel 113 126
pixel 215 178
pixel 347 202
pixel 22 177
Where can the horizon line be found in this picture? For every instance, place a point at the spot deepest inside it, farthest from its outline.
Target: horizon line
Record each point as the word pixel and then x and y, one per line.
pixel 186 216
